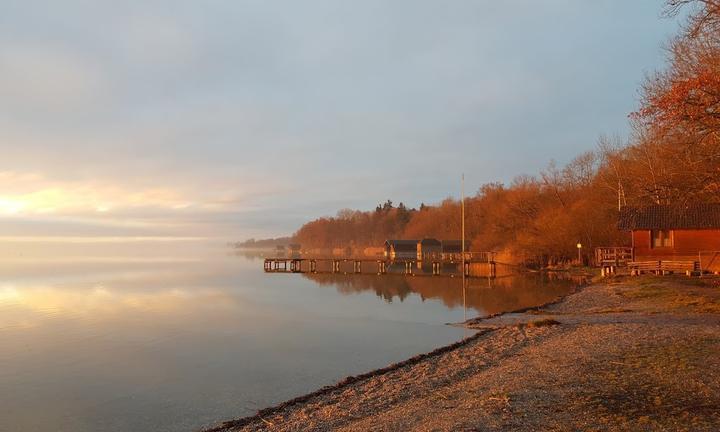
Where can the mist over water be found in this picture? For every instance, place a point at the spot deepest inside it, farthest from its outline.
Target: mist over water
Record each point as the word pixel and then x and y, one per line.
pixel 174 335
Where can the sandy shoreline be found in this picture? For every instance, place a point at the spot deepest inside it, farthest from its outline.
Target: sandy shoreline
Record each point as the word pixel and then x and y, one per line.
pixel 627 354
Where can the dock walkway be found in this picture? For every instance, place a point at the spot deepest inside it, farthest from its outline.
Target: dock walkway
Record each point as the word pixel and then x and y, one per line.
pixel 375 266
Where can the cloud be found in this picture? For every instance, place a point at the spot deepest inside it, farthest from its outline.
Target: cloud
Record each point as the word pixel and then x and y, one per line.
pixel 30 193
pixel 45 78
pixel 32 204
pixel 155 39
pixel 253 116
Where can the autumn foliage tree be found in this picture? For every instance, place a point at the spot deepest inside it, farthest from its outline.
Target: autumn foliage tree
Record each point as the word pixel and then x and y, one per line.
pixel 356 229
pixel 679 117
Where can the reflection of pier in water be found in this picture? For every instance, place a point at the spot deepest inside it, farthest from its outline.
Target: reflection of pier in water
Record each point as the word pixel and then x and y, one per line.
pixel 480 264
pixel 485 295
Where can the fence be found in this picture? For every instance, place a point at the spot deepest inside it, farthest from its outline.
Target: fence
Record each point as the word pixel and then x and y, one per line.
pixel 613 256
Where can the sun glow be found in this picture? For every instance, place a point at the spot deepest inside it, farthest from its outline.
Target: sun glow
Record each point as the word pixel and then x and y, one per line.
pixel 35 195
pixel 10 206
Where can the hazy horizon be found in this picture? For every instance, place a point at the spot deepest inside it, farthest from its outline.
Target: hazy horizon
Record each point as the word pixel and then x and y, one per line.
pixel 245 119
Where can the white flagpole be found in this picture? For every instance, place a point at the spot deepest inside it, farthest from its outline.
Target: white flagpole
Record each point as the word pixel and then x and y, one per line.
pixel 462 224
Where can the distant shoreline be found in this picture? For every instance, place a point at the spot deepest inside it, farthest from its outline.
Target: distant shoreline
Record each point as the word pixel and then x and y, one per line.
pixel 568 349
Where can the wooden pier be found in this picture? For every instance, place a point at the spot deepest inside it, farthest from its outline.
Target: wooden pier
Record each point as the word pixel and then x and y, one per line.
pixel 408 267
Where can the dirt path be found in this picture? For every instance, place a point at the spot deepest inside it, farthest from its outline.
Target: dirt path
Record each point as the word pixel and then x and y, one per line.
pixel 632 354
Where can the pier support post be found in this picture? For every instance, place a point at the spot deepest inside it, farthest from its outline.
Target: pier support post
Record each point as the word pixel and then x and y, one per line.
pixel 358 267
pixel 381 267
pixel 605 271
pixel 492 268
pixel 408 267
pixel 467 269
pixel 313 266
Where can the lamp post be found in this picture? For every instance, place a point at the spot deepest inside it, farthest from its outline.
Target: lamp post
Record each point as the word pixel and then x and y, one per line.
pixel 579 248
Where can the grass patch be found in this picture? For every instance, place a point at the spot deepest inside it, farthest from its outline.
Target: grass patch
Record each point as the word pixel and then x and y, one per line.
pixel 645 291
pixel 701 303
pixel 547 322
pixel 675 293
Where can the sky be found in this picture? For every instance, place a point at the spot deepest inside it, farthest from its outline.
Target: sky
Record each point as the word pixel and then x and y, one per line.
pixel 245 118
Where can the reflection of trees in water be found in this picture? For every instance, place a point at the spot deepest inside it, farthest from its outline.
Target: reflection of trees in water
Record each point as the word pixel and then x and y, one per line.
pixel 515 292
pixel 486 296
pixel 388 287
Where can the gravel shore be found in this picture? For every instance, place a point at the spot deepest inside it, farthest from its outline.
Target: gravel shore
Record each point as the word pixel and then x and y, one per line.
pixel 629 354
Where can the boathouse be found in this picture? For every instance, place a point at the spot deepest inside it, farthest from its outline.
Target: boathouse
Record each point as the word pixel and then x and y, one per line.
pixel 428 248
pixel 451 249
pixel 401 249
pixel 677 233
pixel 452 246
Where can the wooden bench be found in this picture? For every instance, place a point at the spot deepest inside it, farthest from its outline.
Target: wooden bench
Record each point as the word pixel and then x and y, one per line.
pixel 664 267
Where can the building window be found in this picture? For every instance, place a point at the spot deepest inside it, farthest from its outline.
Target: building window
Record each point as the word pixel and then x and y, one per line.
pixel 662 238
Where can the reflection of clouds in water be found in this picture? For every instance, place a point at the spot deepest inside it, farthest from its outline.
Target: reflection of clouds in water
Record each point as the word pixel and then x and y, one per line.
pixel 171 346
pixel 32 305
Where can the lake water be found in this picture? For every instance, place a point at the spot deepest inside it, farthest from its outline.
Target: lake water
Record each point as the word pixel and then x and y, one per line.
pixel 170 336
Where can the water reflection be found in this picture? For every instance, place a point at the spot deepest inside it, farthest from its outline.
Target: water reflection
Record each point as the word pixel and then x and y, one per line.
pixel 483 295
pixel 165 339
pixel 127 344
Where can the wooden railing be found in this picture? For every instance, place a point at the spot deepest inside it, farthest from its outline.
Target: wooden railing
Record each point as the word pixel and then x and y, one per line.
pixel 370 266
pixel 709 260
pixel 613 256
pixel 482 257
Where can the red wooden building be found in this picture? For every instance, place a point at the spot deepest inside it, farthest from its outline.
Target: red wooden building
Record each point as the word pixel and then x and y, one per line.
pixel 675 233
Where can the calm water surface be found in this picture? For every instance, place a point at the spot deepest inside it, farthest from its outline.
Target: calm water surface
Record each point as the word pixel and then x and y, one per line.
pixel 170 337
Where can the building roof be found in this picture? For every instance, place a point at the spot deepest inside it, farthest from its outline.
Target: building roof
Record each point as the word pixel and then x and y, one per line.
pixel 693 216
pixel 453 245
pixel 430 242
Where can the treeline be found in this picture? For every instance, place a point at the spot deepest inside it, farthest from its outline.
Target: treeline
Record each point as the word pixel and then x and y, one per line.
pixel 671 157
pixel 356 229
pixel 533 219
